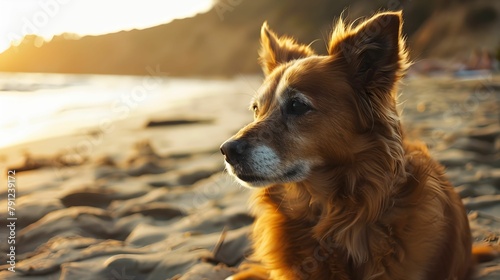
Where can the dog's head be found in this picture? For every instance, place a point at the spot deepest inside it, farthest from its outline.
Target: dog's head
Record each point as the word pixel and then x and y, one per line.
pixel 314 111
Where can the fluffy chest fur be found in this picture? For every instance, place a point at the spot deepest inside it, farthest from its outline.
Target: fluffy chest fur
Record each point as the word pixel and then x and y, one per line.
pixel 300 236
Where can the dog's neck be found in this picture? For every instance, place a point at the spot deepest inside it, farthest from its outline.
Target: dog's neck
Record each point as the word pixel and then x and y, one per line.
pixel 344 202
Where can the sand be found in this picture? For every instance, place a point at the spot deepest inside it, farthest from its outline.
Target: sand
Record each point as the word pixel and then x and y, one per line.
pixel 151 200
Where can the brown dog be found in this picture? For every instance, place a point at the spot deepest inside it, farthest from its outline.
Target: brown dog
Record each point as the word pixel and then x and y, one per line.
pixel 340 193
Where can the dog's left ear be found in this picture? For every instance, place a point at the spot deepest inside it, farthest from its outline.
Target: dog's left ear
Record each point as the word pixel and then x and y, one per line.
pixel 373 52
pixel 278 50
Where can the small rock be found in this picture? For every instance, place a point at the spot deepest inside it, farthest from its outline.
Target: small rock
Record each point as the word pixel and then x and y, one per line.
pixel 158 211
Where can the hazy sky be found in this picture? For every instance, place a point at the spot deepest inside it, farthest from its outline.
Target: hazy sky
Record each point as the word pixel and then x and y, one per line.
pixel 52 17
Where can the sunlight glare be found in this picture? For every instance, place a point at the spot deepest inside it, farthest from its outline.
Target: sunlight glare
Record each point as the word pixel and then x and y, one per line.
pixel 87 17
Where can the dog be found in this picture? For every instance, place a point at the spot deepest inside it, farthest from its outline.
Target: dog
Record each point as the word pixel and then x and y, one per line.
pixel 339 192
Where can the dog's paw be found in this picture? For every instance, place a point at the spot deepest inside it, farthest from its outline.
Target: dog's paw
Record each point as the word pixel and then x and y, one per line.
pixel 229 278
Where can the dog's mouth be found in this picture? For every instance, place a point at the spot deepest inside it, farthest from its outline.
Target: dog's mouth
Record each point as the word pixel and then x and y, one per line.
pixel 254 178
pixel 294 174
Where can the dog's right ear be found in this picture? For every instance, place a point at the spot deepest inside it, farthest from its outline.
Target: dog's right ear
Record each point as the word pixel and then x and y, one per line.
pixel 278 50
pixel 374 51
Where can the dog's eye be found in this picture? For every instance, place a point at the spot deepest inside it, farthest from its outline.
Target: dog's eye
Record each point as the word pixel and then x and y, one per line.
pixel 297 107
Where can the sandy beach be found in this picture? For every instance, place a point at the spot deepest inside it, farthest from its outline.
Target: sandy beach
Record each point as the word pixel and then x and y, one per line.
pixel 145 196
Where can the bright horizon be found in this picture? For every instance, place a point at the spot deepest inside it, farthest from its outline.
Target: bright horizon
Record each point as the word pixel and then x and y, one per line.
pixel 48 18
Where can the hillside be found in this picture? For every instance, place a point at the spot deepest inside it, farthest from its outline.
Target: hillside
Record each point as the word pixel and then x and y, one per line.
pixel 224 40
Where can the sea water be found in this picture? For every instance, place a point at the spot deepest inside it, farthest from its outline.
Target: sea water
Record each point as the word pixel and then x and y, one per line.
pixel 36 106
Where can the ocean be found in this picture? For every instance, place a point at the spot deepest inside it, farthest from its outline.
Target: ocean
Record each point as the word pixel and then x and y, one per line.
pixel 35 106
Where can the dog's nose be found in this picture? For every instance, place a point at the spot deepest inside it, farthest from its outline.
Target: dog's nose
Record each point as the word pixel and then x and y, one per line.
pixel 233 149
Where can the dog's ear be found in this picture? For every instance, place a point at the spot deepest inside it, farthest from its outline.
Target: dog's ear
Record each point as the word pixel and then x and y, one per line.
pixel 277 50
pixel 373 52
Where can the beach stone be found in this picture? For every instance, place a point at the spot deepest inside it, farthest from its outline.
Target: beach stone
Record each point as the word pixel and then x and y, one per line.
pixel 177 122
pixel 93 198
pixel 102 196
pixel 156 210
pixel 159 184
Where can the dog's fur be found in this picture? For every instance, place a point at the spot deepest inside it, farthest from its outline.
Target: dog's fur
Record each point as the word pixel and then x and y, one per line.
pixel 340 193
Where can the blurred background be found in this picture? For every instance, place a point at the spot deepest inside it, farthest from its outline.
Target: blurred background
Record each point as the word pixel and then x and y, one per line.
pixel 219 38
pixel 112 112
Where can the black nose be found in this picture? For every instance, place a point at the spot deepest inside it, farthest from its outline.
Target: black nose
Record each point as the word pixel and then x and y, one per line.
pixel 233 150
